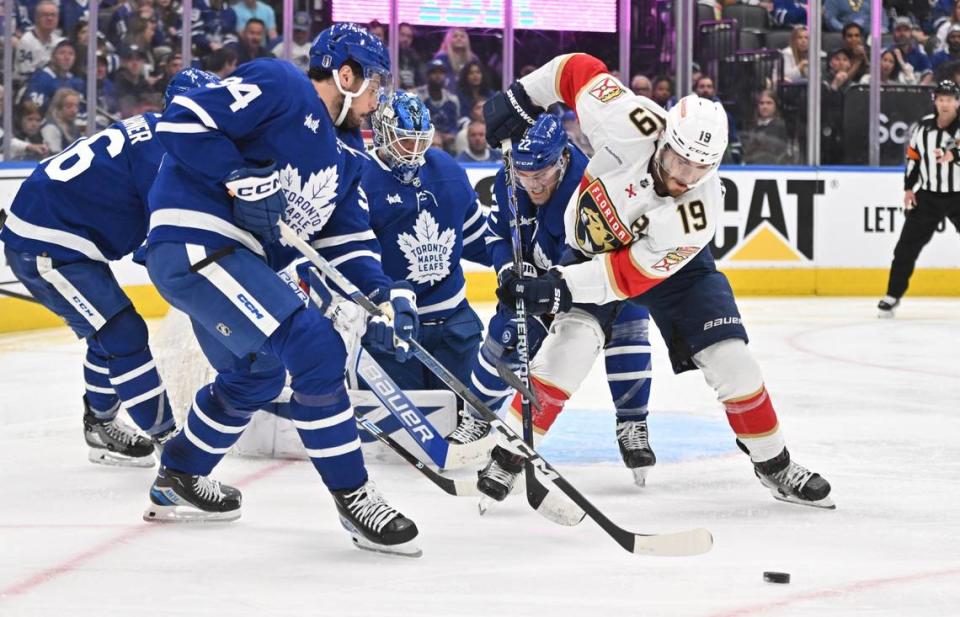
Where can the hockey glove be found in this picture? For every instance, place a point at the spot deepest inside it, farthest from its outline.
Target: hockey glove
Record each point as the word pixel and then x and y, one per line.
pixel 389 333
pixel 258 201
pixel 509 114
pixel 544 294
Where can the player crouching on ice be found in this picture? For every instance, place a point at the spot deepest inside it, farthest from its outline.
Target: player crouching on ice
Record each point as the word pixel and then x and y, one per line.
pixel 241 157
pixel 647 207
pixel 79 210
pixel 548 170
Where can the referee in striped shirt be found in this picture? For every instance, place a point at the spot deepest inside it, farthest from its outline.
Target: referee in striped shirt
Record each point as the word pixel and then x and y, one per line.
pixel 931 188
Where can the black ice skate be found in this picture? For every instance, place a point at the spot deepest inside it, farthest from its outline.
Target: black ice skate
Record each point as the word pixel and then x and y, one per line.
pixel 470 443
pixel 373 524
pixel 181 497
pixel 496 480
pixel 887 307
pixel 633 439
pixel 112 442
pixel 791 482
pixel 469 429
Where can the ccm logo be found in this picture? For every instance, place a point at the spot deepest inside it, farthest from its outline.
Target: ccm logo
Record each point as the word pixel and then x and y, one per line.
pixel 268 187
pixel 250 306
pixel 397 402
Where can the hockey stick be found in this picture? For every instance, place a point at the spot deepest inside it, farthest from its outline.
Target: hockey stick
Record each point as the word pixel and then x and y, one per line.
pixel 18 296
pixel 444 454
pixel 689 542
pixel 451 486
pixel 536 492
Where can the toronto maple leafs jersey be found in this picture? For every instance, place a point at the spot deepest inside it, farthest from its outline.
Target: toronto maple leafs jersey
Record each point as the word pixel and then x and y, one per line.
pixel 425 230
pixel 542 229
pixel 267 110
pixel 90 200
pixel 636 237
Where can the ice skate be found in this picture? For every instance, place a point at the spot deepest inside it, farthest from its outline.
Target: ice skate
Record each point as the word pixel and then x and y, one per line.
pixel 181 497
pixel 112 442
pixel 497 479
pixel 469 429
pixel 373 524
pixel 887 307
pixel 791 482
pixel 470 443
pixel 633 439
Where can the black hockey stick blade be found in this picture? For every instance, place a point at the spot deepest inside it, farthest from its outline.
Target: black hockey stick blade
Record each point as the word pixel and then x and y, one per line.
pixel 511 379
pixel 451 486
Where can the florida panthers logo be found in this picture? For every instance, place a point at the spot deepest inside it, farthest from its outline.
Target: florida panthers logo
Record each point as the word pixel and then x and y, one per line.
pixel 309 203
pixel 427 250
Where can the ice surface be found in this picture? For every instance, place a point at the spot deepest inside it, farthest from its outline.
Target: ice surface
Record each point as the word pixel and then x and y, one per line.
pixel 873 405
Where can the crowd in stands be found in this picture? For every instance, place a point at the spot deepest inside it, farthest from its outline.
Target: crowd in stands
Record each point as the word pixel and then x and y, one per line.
pixel 139 42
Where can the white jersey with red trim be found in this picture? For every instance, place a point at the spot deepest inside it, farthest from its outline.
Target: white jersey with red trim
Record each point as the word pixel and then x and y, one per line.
pixel 636 237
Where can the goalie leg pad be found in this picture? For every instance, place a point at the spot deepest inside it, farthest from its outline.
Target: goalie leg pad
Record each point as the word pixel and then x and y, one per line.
pixel 731 370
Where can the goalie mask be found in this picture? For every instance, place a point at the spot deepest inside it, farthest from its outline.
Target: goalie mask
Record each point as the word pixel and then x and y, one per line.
pixel 694 141
pixel 402 133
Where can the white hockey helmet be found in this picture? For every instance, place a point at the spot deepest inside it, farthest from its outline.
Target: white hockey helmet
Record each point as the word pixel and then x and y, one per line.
pixel 697 132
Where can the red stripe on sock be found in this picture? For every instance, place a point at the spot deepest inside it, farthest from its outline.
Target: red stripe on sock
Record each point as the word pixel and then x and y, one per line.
pixel 752 416
pixel 552 399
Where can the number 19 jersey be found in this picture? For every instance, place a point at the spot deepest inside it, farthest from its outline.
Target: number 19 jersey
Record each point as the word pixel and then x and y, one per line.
pixel 90 200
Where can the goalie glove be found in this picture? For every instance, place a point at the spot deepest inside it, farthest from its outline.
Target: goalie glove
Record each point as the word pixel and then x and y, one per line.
pixel 390 332
pixel 258 201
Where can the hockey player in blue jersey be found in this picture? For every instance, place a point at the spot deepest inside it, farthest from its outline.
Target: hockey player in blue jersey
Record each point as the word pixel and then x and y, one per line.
pixel 78 211
pixel 548 170
pixel 261 148
pixel 427 218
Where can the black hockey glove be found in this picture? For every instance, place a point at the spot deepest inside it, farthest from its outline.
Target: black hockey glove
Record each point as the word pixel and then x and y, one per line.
pixel 544 294
pixel 509 114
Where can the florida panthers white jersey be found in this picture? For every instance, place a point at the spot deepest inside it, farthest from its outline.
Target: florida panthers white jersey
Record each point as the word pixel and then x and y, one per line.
pixel 636 237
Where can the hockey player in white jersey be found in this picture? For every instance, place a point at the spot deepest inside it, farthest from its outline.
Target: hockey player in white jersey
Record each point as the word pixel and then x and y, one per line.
pixel 647 207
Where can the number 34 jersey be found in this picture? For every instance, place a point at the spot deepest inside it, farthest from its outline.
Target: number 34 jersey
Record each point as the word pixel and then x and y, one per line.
pixel 90 200
pixel 636 238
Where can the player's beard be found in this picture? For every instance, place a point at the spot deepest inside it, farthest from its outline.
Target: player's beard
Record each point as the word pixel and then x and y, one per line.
pixel 353 120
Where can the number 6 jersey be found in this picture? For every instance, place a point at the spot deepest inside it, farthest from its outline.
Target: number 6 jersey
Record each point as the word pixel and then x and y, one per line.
pixel 90 200
pixel 636 237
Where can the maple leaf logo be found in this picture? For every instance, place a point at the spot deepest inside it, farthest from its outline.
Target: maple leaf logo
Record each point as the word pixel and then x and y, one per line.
pixel 540 258
pixel 310 203
pixel 428 250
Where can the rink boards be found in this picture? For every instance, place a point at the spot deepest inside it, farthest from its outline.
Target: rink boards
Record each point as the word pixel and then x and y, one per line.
pixel 783 231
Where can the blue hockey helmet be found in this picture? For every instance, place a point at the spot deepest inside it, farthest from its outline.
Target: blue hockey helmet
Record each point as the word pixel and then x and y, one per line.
pixel 342 42
pixel 187 79
pixel 402 129
pixel 542 144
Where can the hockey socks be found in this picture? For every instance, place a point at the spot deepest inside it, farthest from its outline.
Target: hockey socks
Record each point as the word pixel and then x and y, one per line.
pixel 211 428
pixel 754 421
pixel 136 381
pixel 328 430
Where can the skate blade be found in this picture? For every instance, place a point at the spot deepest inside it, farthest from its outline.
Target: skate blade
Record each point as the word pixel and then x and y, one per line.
pixel 406 549
pixel 824 504
pixel 469 454
pixel 100 456
pixel 640 476
pixel 484 504
pixel 186 514
pixel 886 314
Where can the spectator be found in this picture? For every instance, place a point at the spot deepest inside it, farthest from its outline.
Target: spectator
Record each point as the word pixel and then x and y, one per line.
pixel 409 63
pixel 142 34
pixel 838 76
pixel 571 125
pixel 37 44
pixel 106 91
pixel 300 45
pixel 119 20
pixel 835 85
pixel 662 90
pixel 45 82
pixel 130 81
pixel 704 87
pixel 214 25
pixel 853 43
pixel 18 147
pixel 378 30
pixel 168 19
pixel 950 54
pixel 455 52
pixel 250 45
pixel 788 13
pixel 255 9
pixel 838 13
pixel 795 62
pixel 476 113
pixel 944 29
pixel 893 69
pixel 28 130
pixel 477 149
pixel 766 141
pixel 526 69
pixel 472 85
pixel 73 12
pixel 911 52
pixel 443 105
pixel 169 65
pixel 222 62
pixel 60 128
pixel 641 85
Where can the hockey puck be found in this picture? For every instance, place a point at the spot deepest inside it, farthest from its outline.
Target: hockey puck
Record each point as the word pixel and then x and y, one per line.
pixel 777 577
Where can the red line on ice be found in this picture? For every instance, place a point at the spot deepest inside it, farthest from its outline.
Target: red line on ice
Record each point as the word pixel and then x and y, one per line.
pixel 833 592
pixel 72 563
